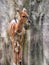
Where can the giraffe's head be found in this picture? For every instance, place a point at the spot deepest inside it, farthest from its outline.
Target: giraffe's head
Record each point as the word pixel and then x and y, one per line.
pixel 24 17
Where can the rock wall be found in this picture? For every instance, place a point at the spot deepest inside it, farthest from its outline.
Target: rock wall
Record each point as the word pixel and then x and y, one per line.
pixel 36 51
pixel 7 12
pixel 46 34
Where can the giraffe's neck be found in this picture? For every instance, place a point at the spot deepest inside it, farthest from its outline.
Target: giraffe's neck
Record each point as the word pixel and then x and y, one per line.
pixel 20 24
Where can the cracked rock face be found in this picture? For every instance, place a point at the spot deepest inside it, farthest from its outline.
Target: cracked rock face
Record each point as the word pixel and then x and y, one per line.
pixel 39 43
pixel 7 12
pixel 46 34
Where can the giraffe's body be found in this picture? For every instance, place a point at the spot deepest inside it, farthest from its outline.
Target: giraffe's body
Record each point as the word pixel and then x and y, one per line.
pixel 16 32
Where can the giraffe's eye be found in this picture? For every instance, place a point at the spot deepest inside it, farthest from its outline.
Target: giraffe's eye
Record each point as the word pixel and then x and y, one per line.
pixel 24 16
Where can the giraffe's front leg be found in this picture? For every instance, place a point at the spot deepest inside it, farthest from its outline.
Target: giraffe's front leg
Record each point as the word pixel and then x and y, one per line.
pixel 22 36
pixel 12 42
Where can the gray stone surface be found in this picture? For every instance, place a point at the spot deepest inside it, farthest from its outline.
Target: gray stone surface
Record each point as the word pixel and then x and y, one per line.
pixel 38 38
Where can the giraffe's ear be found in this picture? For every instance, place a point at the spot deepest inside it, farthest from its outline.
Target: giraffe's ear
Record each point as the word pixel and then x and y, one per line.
pixel 18 10
pixel 24 10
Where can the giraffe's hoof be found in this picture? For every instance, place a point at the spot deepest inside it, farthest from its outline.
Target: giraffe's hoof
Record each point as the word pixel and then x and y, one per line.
pixel 20 63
